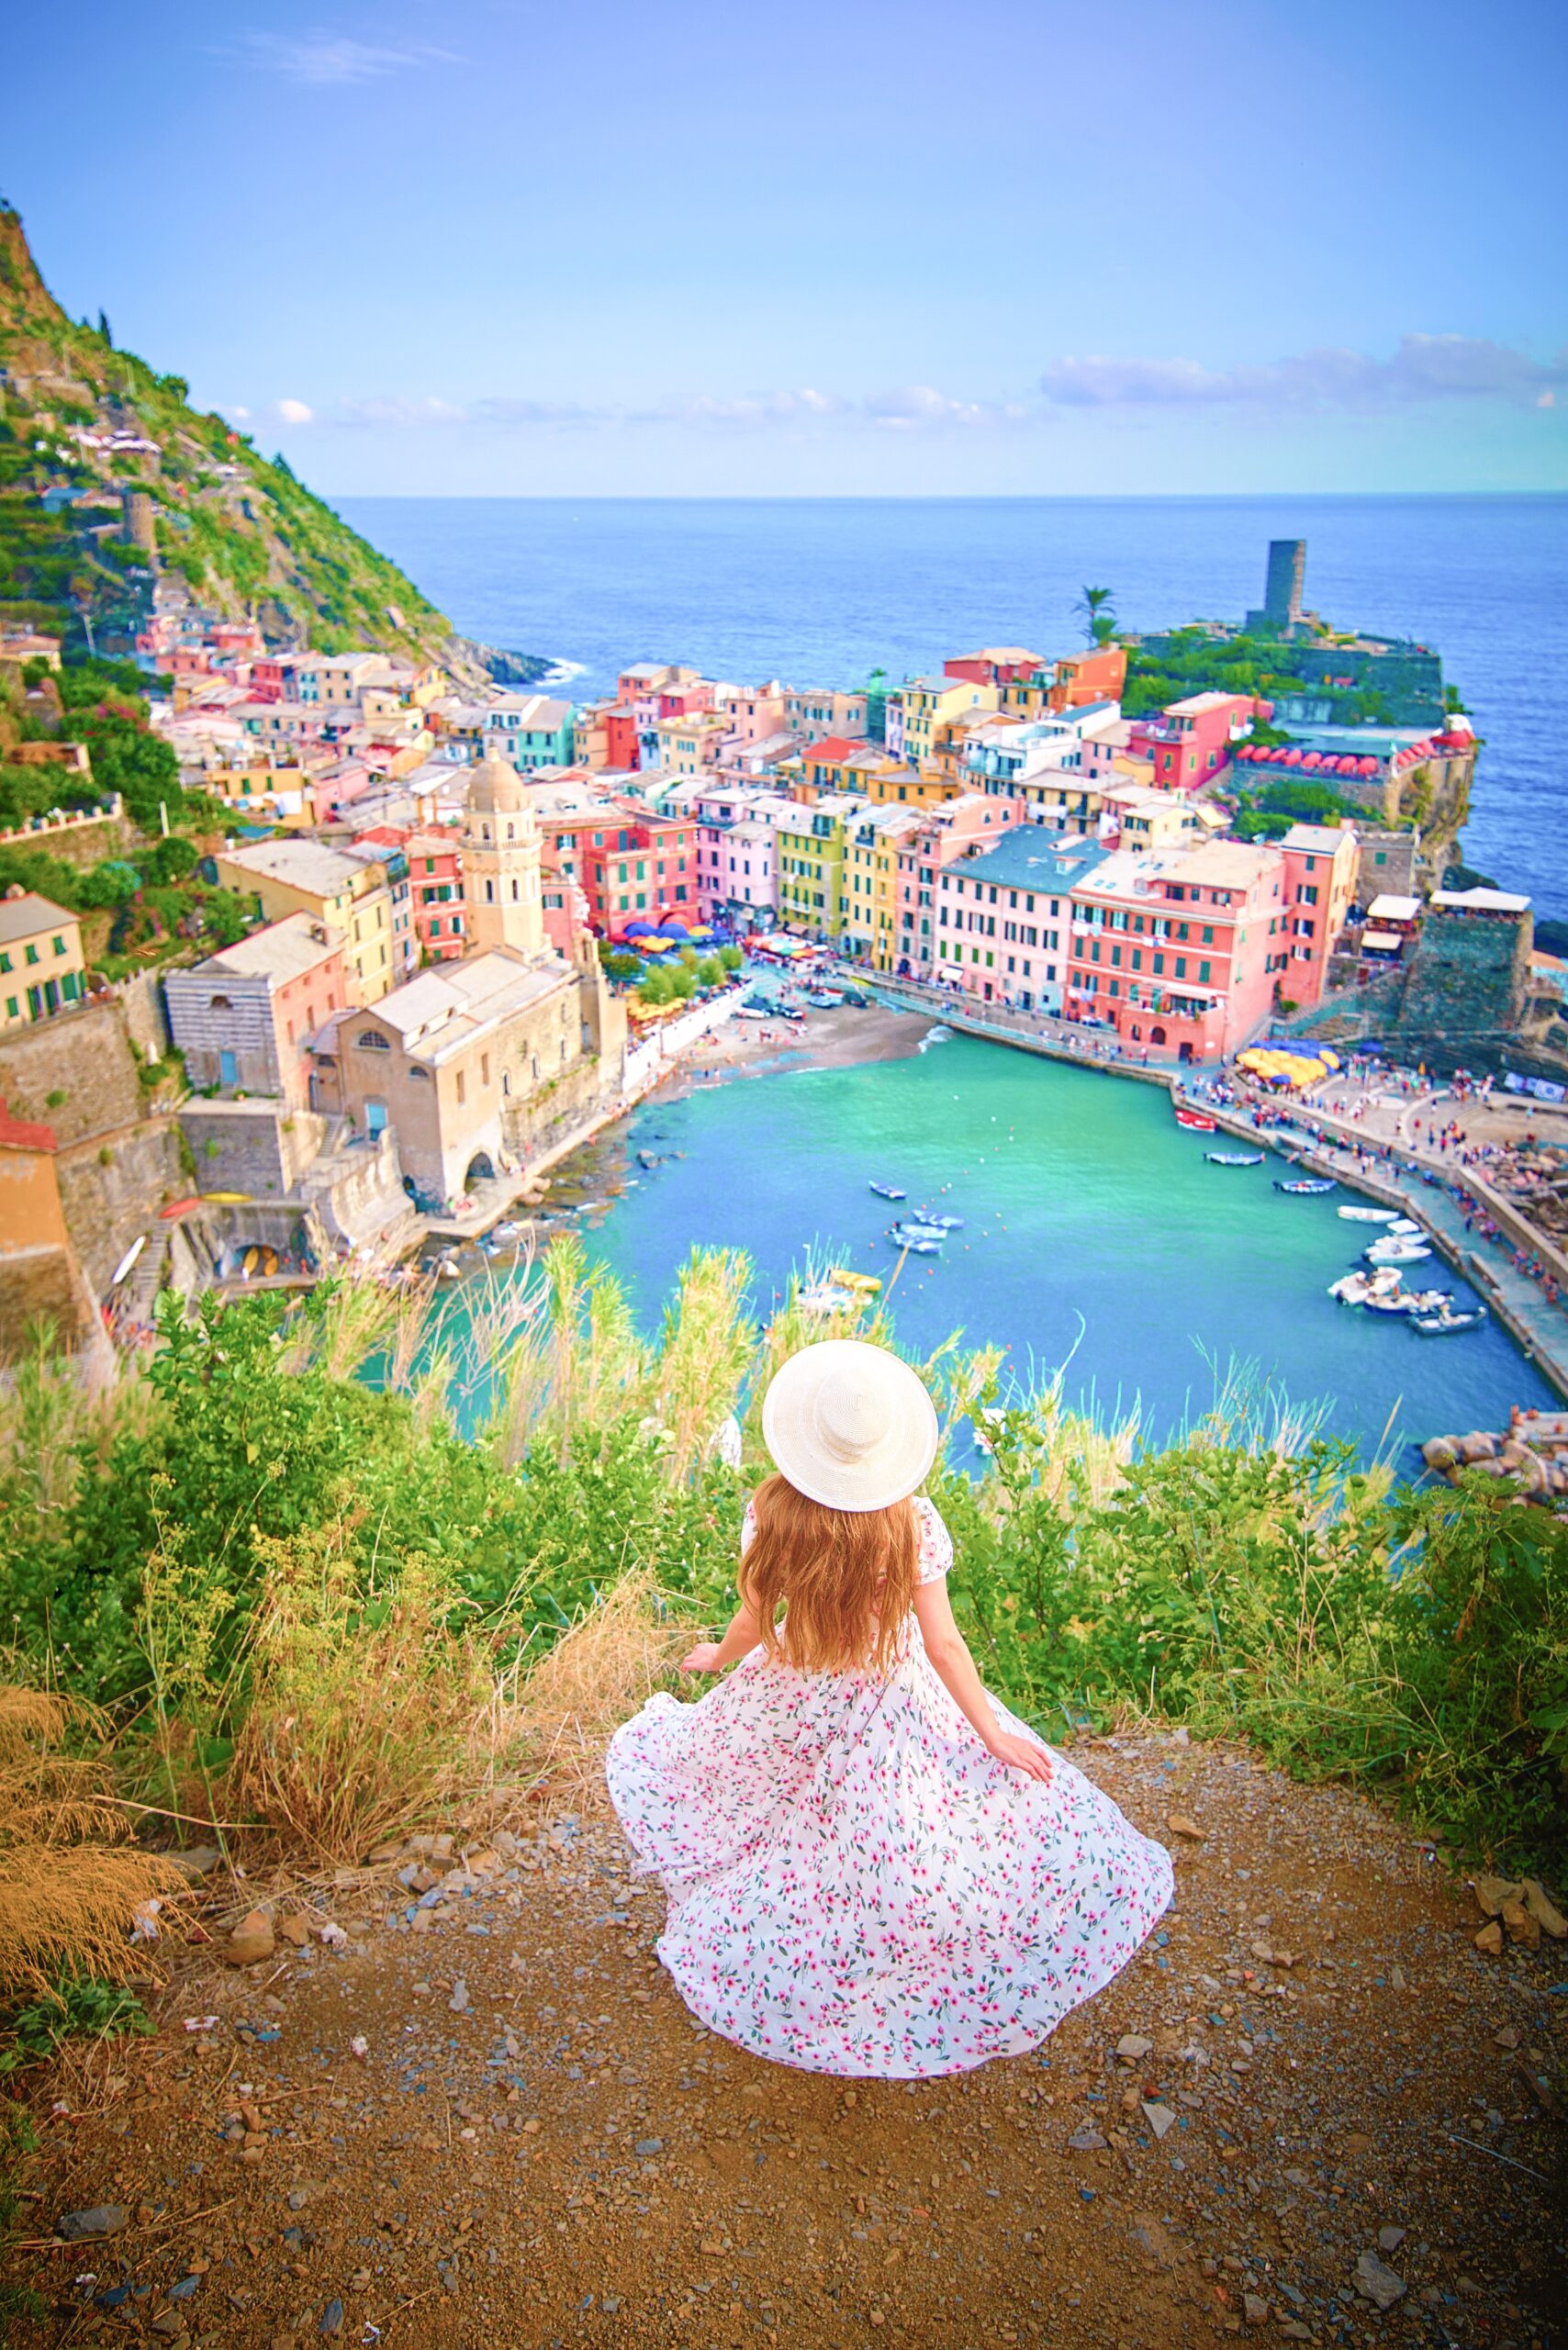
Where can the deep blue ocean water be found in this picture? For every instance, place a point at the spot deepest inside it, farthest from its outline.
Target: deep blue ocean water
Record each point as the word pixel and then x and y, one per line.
pixel 821 591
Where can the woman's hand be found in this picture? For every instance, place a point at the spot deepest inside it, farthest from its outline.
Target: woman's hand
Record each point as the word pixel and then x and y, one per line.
pixel 1023 1754
pixel 704 1658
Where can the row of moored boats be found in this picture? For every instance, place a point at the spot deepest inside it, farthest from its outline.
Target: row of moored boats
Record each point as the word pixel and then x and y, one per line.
pixel 1377 1285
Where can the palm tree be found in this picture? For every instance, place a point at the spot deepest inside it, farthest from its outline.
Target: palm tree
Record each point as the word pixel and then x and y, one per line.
pixel 1093 608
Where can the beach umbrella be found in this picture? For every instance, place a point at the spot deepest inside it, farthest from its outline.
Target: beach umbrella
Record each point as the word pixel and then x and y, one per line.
pixel 637 930
pixel 674 930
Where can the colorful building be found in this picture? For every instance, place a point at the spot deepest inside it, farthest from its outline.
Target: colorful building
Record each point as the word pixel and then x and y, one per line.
pixel 1003 914
pixel 351 894
pixel 994 665
pixel 945 835
pixel 42 969
pixel 244 1017
pixel 638 865
pixel 1081 678
pixel 810 865
pixel 868 928
pixel 437 902
pixel 530 730
pixel 1322 862
pixel 815 713
pixel 1178 952
pixel 1192 741
pixel 918 711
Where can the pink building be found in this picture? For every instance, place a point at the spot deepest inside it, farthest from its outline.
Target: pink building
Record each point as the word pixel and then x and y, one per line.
pixel 952 830
pixel 1177 951
pixel 737 863
pixel 1321 863
pixel 994 665
pixel 756 717
pixel 1191 742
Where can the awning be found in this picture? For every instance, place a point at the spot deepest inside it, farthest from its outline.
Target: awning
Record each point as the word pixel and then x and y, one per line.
pixel 1381 941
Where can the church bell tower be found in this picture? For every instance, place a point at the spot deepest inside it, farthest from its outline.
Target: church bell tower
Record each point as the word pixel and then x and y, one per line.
pixel 500 862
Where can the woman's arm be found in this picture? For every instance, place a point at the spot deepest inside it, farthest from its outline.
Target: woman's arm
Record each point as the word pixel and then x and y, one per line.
pixel 712 1656
pixel 955 1668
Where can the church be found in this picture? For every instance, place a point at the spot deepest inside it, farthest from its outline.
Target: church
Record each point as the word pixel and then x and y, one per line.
pixel 482 1066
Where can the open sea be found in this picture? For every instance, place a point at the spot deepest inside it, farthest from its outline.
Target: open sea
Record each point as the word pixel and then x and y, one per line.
pixel 821 591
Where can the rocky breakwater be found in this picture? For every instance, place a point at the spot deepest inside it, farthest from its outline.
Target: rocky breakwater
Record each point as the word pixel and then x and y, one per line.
pixel 1533 1447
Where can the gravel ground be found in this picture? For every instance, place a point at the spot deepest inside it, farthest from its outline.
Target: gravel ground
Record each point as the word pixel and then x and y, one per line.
pixel 1325 2098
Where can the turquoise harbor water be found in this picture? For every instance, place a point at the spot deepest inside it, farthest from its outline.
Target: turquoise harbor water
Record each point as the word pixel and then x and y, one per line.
pixel 1091 1223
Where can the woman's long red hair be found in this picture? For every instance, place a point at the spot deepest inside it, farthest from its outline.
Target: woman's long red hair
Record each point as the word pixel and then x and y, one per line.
pixel 847 1579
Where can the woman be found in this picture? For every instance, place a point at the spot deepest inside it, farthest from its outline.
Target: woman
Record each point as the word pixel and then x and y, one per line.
pixel 872 1868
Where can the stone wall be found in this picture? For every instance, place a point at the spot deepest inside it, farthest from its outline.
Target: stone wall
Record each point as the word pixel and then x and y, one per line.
pixel 81 1055
pixel 262 1149
pixel 43 1285
pixel 112 1190
pixel 1468 976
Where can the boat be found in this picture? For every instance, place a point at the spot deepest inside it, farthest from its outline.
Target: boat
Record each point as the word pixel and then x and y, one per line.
pixel 1234 1158
pixel 1368 1215
pixel 178 1208
pixel 1404 1227
pixel 1447 1325
pixel 888 1191
pixel 1312 1186
pixel 1197 1122
pixel 126 1262
pixel 915 1244
pixel 823 1299
pixel 920 1227
pixel 823 999
pixel 1396 1252
pixel 1406 1301
pixel 940 1223
pixel 863 1284
pixel 1358 1288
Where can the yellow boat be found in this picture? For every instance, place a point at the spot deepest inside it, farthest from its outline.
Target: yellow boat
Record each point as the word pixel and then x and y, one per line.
pixel 866 1283
pixel 228 1199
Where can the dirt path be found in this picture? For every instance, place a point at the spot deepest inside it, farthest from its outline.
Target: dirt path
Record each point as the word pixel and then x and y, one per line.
pixel 539 2147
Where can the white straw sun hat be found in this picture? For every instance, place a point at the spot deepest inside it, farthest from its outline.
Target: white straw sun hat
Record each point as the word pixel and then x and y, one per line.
pixel 850 1426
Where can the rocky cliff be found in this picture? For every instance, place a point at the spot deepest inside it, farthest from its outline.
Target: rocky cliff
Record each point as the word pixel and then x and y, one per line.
pixel 109 478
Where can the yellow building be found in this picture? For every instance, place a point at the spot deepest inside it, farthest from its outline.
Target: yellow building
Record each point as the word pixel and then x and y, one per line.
pixel 260 793
pixel 811 865
pixel 42 965
pixel 871 882
pixel 929 704
pixel 351 893
pixel 691 745
pixel 910 788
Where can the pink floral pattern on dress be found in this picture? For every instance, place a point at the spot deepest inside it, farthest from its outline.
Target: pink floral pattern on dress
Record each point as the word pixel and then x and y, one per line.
pixel 856 1885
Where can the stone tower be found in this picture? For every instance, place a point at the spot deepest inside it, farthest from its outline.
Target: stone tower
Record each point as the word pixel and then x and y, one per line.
pixel 500 862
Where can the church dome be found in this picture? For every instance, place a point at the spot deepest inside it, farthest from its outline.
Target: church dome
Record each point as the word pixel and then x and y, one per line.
pixel 497 789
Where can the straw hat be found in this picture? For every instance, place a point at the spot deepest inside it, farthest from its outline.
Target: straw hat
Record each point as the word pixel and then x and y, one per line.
pixel 850 1426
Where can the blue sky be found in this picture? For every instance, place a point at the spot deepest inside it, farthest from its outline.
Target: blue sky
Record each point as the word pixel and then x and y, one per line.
pixel 500 248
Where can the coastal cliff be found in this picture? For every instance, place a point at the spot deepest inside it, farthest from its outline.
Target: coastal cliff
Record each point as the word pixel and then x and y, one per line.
pixel 110 481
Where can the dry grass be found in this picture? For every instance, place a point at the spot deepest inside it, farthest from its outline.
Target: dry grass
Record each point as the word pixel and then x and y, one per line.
pixel 363 1711
pixel 556 1725
pixel 71 1883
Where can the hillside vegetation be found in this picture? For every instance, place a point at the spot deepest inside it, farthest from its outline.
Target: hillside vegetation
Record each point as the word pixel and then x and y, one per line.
pixel 242 530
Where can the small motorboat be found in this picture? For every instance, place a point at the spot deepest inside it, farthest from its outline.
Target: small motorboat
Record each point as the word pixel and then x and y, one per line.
pixel 919 1228
pixel 1396 1252
pixel 862 1285
pixel 823 1299
pixel 915 1244
pixel 888 1191
pixel 1360 1288
pixel 1308 1186
pixel 1234 1158
pixel 1407 1301
pixel 1405 1224
pixel 1368 1215
pixel 1447 1325
pixel 1196 1122
pixel 941 1223
pixel 824 999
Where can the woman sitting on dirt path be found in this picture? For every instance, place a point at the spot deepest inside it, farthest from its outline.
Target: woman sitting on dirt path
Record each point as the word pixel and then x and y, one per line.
pixel 872 1867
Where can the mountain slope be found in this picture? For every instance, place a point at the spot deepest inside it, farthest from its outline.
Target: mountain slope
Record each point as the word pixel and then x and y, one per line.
pixel 84 427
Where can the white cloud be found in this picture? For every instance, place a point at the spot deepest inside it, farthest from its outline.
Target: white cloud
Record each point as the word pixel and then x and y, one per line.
pixel 1424 368
pixel 919 407
pixel 294 412
pixel 325 61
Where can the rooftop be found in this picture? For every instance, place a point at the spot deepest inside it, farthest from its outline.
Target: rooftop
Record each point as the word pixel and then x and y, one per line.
pixel 1324 839
pixel 25 916
pixel 283 951
pixel 1024 859
pixel 454 1004
pixel 301 864
pixel 1392 909
pixel 1479 901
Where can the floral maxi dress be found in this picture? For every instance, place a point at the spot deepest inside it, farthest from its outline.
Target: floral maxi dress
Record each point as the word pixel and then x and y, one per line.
pixel 856 1885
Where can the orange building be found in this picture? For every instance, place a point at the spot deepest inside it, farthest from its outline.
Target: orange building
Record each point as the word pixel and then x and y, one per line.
pixel 1099 675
